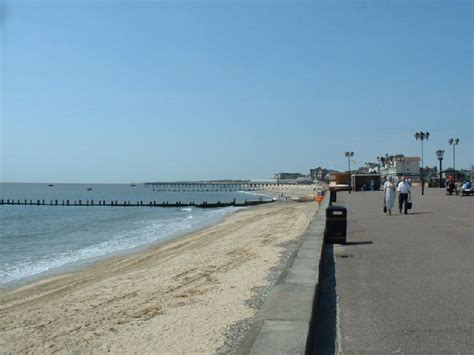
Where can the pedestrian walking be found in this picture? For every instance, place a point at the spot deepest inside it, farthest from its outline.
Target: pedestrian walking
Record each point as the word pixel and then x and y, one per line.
pixel 390 194
pixel 403 192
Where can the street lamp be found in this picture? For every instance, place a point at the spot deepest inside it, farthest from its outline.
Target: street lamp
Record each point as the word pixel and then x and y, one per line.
pixel 349 155
pixel 454 142
pixel 422 136
pixel 440 154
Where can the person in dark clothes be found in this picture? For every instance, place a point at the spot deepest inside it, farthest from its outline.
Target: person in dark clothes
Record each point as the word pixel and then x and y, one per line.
pixel 403 191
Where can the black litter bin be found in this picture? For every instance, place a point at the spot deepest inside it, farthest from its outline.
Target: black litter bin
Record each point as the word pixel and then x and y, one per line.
pixel 336 225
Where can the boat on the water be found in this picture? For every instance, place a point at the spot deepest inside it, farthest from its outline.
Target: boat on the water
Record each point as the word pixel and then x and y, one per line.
pixel 89 188
pixel 132 185
pixel 50 185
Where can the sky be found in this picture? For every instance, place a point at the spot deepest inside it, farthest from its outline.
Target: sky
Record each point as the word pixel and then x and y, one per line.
pixel 133 91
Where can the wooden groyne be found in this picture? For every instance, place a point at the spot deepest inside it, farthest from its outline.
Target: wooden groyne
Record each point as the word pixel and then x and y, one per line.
pixel 116 203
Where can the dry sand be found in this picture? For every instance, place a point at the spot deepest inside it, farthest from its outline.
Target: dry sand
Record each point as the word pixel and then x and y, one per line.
pixel 283 192
pixel 186 296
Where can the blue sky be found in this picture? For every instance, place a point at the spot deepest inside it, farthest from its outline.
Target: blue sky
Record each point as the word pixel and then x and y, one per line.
pixel 106 91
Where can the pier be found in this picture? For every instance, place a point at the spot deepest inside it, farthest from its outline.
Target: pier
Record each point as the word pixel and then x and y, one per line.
pixel 116 203
pixel 207 186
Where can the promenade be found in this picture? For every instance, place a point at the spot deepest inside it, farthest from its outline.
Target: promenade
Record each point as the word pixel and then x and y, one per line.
pixel 404 283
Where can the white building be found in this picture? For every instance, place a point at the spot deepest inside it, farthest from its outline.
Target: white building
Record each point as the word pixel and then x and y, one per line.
pixel 400 165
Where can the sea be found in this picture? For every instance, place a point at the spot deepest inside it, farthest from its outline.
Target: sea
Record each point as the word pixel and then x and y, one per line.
pixel 39 241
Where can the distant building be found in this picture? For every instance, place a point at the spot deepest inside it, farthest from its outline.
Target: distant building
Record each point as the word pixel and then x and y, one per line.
pixel 292 178
pixel 288 176
pixel 400 165
pixel 319 174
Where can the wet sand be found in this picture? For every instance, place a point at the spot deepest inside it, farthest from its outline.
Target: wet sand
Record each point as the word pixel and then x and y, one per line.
pixel 191 295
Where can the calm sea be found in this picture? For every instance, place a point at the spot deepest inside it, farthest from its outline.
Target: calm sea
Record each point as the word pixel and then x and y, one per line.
pixel 36 241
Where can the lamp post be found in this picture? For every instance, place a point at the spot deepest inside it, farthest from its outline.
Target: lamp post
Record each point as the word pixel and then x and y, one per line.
pixel 454 142
pixel 440 154
pixel 349 155
pixel 422 136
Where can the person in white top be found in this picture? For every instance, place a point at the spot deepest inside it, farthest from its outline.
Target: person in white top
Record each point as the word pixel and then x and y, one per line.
pixel 389 194
pixel 404 190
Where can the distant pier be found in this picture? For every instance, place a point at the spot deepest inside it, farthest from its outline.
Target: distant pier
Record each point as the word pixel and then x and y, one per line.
pixel 209 186
pixel 116 203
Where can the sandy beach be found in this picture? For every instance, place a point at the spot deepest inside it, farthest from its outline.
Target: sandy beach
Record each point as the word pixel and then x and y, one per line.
pixel 196 294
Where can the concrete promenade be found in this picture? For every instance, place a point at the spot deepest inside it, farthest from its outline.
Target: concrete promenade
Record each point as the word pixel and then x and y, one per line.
pixel 405 283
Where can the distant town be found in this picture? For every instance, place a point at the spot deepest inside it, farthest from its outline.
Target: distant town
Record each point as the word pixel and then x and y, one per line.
pixel 370 176
pixel 388 165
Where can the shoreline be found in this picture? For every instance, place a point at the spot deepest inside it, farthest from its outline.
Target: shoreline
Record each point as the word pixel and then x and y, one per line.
pixel 199 287
pixel 276 193
pixel 79 265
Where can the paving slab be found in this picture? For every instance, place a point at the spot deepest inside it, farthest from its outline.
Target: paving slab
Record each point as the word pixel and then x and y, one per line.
pixel 288 301
pixel 305 271
pixel 281 337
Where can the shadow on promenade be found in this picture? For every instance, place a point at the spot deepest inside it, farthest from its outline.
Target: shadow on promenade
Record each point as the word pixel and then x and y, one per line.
pixel 322 332
pixel 360 243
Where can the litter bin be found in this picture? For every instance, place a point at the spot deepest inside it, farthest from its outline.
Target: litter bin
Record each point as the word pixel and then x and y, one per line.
pixel 336 225
pixel 332 195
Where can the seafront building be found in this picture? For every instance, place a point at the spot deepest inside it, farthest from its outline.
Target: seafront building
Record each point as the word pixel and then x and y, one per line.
pixel 287 176
pixel 319 174
pixel 400 165
pixel 292 178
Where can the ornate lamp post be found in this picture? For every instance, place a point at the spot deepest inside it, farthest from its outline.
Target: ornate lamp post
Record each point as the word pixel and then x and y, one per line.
pixel 440 154
pixel 349 155
pixel 422 136
pixel 454 142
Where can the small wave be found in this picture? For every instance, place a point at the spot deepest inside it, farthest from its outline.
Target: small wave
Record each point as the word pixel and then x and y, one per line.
pixel 133 235
pixel 119 243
